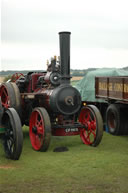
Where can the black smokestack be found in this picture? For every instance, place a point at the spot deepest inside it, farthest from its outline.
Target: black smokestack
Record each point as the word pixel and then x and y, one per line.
pixel 65 56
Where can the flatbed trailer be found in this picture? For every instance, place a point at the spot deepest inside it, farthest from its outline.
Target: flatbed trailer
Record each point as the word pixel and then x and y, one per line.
pixel 115 91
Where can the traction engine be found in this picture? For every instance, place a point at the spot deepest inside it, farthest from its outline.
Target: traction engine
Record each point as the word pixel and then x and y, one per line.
pixel 48 104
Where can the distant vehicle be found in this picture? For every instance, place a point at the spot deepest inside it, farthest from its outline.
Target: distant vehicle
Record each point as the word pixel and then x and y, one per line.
pixel 115 91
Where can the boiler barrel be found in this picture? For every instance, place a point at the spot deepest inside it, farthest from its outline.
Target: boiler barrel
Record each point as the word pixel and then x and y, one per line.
pixel 65 99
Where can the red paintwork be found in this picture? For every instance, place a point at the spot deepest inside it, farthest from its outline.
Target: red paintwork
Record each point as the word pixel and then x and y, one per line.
pixel 88 119
pixel 33 82
pixel 16 76
pixel 65 131
pixel 4 97
pixel 36 120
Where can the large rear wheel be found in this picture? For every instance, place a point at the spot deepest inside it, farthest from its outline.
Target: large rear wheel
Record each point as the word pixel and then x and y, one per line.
pixel 91 118
pixel 40 129
pixel 13 136
pixel 10 96
pixel 17 98
pixel 7 95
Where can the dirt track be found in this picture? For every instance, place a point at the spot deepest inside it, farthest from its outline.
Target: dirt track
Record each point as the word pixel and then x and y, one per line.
pixel 76 78
pixel 1 79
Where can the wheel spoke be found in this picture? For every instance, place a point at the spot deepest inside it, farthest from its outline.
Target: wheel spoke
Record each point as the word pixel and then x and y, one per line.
pixel 39 123
pixel 88 139
pixel 93 125
pixel 10 139
pixel 39 134
pixel 5 93
pixel 36 118
pixel 89 132
pixel 37 141
pixel 4 97
pixel 88 117
pixel 91 120
pixel 40 131
pixel 10 145
pixel 94 134
pixel 6 104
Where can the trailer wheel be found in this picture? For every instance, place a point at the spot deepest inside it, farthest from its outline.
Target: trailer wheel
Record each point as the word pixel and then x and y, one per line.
pixel 113 119
pixel 124 120
pixel 10 96
pixel 40 129
pixel 90 117
pixel 13 136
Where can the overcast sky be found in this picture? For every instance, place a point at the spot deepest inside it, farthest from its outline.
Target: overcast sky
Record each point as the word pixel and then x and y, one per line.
pixel 29 32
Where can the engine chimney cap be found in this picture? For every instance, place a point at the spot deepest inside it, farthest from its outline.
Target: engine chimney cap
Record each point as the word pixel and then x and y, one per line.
pixel 64 32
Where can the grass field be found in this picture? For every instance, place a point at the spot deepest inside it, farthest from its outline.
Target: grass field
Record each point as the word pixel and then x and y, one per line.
pixel 82 169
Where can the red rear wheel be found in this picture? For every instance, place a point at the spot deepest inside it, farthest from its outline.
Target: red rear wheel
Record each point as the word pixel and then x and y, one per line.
pixel 91 118
pixel 7 95
pixel 10 96
pixel 40 129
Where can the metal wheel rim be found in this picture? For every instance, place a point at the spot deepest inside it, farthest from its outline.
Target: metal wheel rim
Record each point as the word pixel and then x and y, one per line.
pixel 88 118
pixel 37 124
pixel 13 136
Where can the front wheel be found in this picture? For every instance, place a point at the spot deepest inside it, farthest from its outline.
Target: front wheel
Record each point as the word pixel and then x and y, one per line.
pixel 91 118
pixel 13 136
pixel 40 129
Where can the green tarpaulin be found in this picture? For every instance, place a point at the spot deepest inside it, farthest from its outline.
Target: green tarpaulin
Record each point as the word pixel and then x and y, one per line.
pixel 86 86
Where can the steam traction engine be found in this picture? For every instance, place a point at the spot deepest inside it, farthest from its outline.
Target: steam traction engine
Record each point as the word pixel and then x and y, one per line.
pixel 49 105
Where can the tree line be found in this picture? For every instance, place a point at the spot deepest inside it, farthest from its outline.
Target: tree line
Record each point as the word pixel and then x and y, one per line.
pixel 74 72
